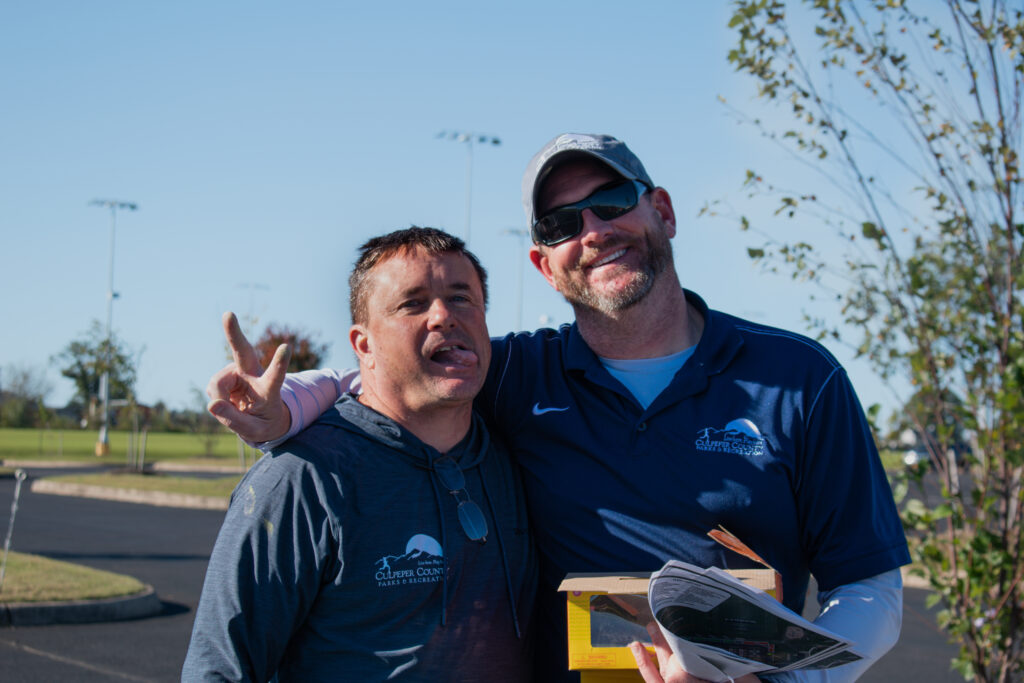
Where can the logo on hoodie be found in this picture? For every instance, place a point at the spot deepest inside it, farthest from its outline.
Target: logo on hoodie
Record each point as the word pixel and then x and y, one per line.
pixel 422 562
pixel 739 437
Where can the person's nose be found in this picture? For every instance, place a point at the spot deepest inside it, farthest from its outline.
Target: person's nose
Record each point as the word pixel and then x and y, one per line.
pixel 440 315
pixel 595 230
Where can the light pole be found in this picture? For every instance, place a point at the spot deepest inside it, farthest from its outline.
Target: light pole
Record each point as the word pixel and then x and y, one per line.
pixel 469 138
pixel 103 442
pixel 523 235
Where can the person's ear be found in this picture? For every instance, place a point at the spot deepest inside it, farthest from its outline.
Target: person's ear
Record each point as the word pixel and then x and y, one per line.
pixel 661 202
pixel 359 338
pixel 539 259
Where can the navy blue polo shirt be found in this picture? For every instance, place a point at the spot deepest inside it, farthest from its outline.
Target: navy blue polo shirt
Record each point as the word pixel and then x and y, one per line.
pixel 759 432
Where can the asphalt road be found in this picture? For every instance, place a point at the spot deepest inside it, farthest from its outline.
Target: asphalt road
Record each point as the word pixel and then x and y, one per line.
pixel 165 547
pixel 169 548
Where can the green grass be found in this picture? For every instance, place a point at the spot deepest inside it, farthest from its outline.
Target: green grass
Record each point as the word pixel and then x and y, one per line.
pixel 30 578
pixel 217 487
pixel 78 444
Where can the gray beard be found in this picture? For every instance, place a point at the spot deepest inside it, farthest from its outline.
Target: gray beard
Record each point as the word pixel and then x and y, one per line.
pixel 659 257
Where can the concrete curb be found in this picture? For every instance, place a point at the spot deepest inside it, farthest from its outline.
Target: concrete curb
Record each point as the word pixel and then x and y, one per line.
pixel 51 464
pixel 186 467
pixel 156 466
pixel 158 498
pixel 142 604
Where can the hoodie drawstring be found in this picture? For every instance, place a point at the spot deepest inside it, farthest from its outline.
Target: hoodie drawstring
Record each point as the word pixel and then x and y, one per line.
pixel 444 543
pixel 501 549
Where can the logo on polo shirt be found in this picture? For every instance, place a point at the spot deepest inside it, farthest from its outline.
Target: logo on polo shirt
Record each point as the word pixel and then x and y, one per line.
pixel 740 437
pixel 537 410
pixel 422 562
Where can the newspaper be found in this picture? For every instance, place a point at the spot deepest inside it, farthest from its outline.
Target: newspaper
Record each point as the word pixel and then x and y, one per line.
pixel 721 628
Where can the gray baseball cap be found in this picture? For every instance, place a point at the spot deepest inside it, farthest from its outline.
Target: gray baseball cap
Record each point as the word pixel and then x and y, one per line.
pixel 604 148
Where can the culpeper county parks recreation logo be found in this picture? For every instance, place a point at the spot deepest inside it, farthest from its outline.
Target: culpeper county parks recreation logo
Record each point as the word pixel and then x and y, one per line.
pixel 740 437
pixel 422 562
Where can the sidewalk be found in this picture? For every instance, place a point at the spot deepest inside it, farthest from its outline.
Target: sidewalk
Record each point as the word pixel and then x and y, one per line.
pixel 159 498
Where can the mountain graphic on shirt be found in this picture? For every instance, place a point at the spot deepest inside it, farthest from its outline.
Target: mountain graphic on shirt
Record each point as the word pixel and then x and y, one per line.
pixel 423 557
pixel 741 437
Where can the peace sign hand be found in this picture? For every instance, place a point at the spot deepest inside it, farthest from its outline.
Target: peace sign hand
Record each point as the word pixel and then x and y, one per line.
pixel 244 397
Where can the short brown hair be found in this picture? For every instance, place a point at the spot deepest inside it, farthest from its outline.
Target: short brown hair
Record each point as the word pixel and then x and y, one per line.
pixel 377 249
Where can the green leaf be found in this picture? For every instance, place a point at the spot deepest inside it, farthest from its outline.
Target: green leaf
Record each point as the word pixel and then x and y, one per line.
pixel 916 507
pixel 870 230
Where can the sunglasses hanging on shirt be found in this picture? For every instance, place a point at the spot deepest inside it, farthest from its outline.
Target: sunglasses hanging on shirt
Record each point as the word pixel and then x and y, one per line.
pixel 470 516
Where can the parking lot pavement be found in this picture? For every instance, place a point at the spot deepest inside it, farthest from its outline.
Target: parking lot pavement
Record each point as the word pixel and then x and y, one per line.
pixel 167 548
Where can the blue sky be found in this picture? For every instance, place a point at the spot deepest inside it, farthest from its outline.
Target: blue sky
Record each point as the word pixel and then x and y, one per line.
pixel 264 141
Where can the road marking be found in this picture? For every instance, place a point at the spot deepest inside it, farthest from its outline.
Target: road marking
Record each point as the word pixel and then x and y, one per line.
pixel 75 662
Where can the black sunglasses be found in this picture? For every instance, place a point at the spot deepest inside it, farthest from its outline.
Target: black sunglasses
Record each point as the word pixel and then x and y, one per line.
pixel 470 516
pixel 607 202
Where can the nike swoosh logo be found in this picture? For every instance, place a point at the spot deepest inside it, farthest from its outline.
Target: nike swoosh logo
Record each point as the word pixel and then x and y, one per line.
pixel 537 410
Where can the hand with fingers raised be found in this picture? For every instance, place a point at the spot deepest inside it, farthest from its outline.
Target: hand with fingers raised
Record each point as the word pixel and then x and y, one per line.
pixel 245 397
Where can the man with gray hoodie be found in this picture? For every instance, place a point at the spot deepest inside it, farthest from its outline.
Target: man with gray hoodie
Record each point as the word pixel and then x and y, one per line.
pixel 389 541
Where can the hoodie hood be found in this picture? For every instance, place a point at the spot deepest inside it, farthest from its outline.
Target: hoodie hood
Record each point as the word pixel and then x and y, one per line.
pixel 352 416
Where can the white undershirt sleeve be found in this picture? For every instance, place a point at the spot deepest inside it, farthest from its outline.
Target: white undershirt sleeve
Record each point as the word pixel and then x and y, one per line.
pixel 308 394
pixel 869 614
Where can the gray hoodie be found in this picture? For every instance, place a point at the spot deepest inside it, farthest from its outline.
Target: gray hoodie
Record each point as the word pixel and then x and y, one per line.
pixel 342 558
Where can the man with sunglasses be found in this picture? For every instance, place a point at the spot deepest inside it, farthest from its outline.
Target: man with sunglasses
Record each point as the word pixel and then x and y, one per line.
pixel 389 541
pixel 654 419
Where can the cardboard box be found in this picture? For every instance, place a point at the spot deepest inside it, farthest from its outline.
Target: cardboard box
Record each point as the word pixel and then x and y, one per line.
pixel 607 611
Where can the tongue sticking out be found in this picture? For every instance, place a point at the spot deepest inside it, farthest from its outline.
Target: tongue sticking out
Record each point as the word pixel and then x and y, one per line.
pixel 453 355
